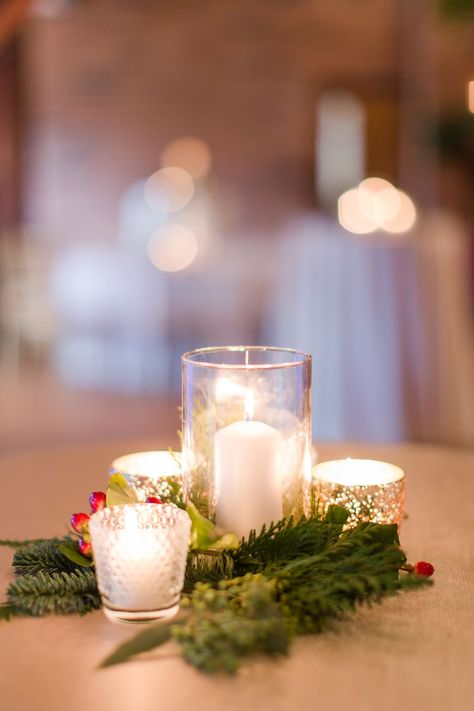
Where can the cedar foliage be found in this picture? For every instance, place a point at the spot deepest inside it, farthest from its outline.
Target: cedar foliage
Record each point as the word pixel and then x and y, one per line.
pixel 294 577
pixel 47 582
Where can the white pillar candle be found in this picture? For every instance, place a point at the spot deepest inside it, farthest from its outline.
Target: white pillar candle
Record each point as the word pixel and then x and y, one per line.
pixel 248 476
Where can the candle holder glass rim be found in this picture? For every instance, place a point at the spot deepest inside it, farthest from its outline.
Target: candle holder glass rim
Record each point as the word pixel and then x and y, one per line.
pixel 107 517
pixel 397 473
pixel 192 357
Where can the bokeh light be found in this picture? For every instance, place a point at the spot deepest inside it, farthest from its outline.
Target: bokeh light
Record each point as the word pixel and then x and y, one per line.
pixel 378 200
pixel 169 189
pixel 376 205
pixel 48 8
pixel 405 217
pixel 172 247
pixel 470 96
pixel 189 153
pixel 351 216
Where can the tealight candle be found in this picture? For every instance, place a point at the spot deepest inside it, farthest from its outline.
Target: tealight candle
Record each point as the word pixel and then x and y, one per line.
pixel 149 473
pixel 140 555
pixel 369 489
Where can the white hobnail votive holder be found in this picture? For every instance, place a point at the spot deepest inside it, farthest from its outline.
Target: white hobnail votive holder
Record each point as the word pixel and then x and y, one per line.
pixel 140 553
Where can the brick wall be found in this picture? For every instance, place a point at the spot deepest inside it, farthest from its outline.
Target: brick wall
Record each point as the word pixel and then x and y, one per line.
pixel 110 82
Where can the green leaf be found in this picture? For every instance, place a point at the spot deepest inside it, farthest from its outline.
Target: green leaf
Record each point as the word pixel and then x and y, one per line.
pixel 142 642
pixel 204 534
pixel 119 492
pixel 385 534
pixel 336 514
pixel 202 529
pixel 75 556
pixel 225 542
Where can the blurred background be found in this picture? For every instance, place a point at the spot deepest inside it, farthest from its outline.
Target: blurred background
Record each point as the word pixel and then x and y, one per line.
pixel 177 174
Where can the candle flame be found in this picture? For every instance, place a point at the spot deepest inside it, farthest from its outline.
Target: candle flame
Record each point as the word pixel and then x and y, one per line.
pixel 227 388
pixel 249 405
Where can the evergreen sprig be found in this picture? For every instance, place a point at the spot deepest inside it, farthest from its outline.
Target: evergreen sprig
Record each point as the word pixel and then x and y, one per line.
pixel 292 578
pixel 59 593
pixel 48 582
pixel 42 556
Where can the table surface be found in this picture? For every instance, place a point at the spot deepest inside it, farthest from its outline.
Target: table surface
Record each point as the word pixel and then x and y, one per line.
pixel 415 651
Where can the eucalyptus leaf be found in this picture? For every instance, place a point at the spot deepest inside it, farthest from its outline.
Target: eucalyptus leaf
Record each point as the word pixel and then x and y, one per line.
pixel 143 642
pixel 119 492
pixel 75 556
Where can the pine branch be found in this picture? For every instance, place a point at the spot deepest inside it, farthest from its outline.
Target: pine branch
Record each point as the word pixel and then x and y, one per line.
pixel 282 542
pixel 271 548
pixel 54 593
pixel 43 556
pixel 317 579
pixel 207 567
pixel 239 618
pixel 12 543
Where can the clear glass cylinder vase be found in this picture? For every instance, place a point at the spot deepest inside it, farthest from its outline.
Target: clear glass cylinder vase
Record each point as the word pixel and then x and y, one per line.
pixel 247 434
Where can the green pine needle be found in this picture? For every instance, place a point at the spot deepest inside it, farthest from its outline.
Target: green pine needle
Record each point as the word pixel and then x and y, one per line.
pixel 11 543
pixel 48 582
pixel 293 577
pixel 54 593
pixel 42 556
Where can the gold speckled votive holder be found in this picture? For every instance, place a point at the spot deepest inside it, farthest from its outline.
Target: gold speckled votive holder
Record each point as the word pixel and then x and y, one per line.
pixel 370 490
pixel 152 474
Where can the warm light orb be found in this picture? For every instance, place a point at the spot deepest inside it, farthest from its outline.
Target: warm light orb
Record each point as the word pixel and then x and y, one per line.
pixel 376 205
pixel 378 200
pixel 470 96
pixel 189 153
pixel 169 189
pixel 172 247
pixel 405 217
pixel 351 216
pixel 48 8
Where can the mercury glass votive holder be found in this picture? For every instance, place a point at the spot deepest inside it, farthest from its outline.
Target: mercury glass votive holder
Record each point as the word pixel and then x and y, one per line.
pixel 370 490
pixel 152 474
pixel 140 553
pixel 247 434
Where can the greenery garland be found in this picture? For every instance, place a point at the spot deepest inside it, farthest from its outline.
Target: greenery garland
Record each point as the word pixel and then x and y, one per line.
pixel 292 578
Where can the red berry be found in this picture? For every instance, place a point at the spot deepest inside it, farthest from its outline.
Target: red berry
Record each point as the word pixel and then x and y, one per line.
pixel 153 500
pixel 97 501
pixel 422 568
pixel 85 547
pixel 80 522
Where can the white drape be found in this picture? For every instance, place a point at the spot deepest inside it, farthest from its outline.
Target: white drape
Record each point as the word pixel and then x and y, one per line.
pixel 388 323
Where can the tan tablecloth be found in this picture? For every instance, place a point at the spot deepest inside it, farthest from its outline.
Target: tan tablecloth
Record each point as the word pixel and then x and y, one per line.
pixel 413 652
